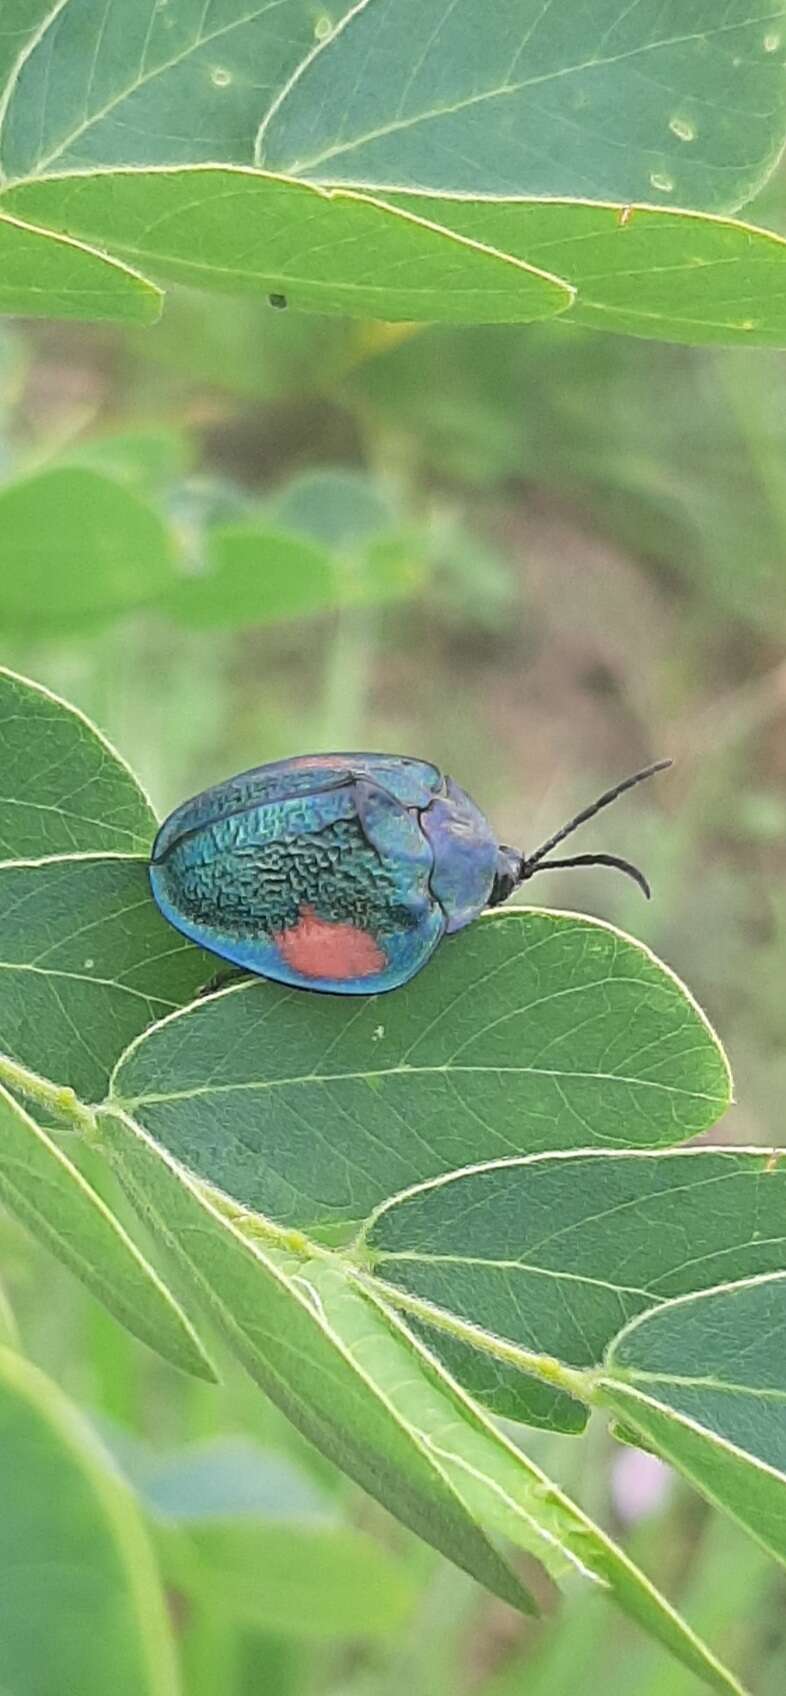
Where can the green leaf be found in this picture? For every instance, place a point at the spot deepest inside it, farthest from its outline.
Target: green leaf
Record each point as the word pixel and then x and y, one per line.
pixel 294 1580
pixel 343 509
pixel 479 221
pixel 241 230
pixel 501 1385
pixel 63 788
pixel 86 963
pixel 222 1478
pixel 102 83
pixel 254 575
pixel 554 1254
pixel 353 1380
pixel 258 574
pixel 608 101
pixel 53 276
pixel 329 540
pixel 671 276
pixel 46 1193
pixel 703 1378
pixel 78 549
pixel 148 459
pixel 637 270
pixel 81 1608
pixel 22 20
pixel 529 1031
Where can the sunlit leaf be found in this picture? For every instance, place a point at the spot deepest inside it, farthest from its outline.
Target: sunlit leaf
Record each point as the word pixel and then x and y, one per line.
pixel 529 1031
pixel 487 156
pixel 81 1608
pixel 52 276
pixel 704 1379
pixel 63 788
pixel 241 230
pixel 676 275
pixel 670 276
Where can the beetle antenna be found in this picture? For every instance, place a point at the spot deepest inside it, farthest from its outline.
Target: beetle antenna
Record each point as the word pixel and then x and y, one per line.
pixel 532 863
pixel 595 860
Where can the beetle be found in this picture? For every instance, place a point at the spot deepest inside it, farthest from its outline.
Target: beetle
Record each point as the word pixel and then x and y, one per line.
pixel 343 872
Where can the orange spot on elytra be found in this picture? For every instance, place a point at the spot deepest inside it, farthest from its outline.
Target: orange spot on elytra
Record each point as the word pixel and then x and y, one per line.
pixel 318 948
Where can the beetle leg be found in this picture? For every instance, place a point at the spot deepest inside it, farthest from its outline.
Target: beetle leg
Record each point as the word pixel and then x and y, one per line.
pixel 219 980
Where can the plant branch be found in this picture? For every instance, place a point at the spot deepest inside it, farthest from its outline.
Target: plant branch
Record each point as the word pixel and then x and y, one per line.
pixel 58 1099
pixel 575 1382
pixel 259 1229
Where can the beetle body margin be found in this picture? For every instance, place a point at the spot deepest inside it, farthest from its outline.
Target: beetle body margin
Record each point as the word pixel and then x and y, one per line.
pixel 334 872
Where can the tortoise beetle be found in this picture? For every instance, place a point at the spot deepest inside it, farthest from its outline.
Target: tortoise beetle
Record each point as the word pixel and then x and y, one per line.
pixel 342 872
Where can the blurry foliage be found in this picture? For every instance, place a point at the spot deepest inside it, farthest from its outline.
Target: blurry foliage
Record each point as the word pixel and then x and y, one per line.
pixel 574 557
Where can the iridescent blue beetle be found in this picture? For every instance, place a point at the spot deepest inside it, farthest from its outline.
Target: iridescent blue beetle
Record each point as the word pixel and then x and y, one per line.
pixel 341 872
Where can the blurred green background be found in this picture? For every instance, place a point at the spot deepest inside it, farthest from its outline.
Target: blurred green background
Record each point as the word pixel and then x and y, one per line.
pixel 539 558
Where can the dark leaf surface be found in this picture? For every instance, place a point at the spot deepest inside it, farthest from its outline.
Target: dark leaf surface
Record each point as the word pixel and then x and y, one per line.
pixel 528 1031
pixel 554 1255
pixel 87 963
pixel 637 102
pixel 704 1380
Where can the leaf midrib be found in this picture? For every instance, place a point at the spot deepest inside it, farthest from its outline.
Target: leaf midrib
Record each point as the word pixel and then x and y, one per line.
pixel 633 1375
pixel 413 1256
pixel 407 1071
pixel 320 286
pixel 79 818
pixel 152 997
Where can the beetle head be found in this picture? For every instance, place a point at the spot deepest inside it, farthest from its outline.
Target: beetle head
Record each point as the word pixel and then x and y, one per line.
pixel 514 868
pixel 508 874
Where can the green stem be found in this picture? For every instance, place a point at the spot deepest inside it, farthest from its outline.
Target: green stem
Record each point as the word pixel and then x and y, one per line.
pixel 259 1229
pixel 57 1099
pixel 576 1383
pixel 346 679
